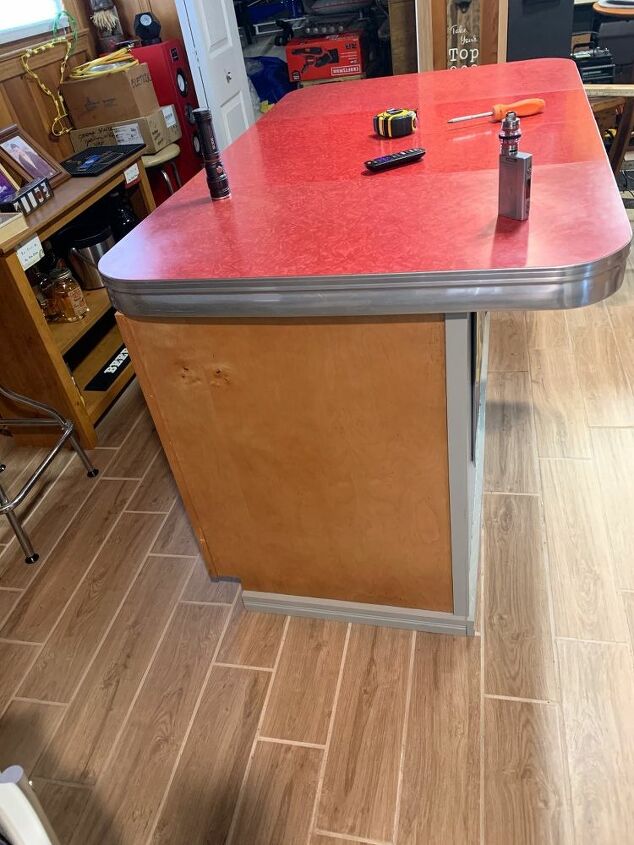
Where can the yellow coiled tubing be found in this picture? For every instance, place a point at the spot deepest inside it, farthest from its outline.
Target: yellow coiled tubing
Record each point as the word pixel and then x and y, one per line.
pixel 111 63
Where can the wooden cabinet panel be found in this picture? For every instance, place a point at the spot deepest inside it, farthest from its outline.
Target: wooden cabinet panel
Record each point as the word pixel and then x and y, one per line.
pixel 311 455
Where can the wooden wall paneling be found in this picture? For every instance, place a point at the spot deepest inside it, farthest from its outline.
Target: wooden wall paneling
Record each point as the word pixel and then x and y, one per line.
pixel 37 110
pixel 489 22
pixel 402 36
pixel 425 35
pixel 10 64
pixel 79 9
pixel 26 96
pixel 165 11
pixel 439 33
pixel 7 111
pixel 127 10
pixel 23 102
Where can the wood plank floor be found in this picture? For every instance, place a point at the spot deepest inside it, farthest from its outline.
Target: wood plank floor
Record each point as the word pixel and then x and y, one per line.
pixel 149 708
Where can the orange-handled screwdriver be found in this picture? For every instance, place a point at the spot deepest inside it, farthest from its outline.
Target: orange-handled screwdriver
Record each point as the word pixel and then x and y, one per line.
pixel 522 108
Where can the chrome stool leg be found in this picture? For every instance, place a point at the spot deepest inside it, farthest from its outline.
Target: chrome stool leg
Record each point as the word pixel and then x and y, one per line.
pixel 177 176
pixel 30 555
pixel 92 471
pixel 167 179
pixel 53 420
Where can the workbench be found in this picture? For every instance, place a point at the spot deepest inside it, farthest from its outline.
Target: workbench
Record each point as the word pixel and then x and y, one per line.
pixel 313 351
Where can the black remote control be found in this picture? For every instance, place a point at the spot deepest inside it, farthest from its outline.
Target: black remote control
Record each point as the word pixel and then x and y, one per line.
pixel 393 160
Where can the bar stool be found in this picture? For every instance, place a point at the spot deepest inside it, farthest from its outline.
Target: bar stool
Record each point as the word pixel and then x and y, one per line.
pixel 8 506
pixel 167 155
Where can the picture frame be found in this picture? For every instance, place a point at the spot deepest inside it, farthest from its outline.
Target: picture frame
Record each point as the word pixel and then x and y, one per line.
pixel 28 198
pixel 26 159
pixel 8 185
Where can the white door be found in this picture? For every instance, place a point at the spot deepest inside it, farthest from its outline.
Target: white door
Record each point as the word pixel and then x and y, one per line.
pixel 210 32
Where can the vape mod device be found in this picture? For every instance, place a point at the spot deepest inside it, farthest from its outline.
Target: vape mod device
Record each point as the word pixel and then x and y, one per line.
pixel 515 171
pixel 216 177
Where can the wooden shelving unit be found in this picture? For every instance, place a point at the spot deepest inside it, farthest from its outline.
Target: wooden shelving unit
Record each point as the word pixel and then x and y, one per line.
pixel 66 335
pixel 34 353
pixel 97 401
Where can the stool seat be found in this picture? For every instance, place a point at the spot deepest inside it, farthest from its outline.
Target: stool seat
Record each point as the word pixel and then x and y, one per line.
pixel 168 153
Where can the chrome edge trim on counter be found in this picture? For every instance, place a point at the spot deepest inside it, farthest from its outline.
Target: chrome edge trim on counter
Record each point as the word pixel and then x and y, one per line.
pixel 401 293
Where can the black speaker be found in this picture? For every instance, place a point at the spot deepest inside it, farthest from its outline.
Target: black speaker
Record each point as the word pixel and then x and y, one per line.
pixel 539 29
pixel 148 28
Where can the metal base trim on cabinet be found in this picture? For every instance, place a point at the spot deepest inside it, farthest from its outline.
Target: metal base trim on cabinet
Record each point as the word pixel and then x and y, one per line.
pixel 478 491
pixel 466 471
pixel 351 611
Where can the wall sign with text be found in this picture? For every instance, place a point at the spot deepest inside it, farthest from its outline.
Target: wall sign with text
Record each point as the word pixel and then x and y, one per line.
pixel 463 33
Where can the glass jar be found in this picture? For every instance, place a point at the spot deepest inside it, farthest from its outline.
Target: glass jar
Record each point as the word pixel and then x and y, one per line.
pixel 48 300
pixel 67 295
pixel 41 288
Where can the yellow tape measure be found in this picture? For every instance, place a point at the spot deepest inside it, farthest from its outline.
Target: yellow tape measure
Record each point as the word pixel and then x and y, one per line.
pixel 395 123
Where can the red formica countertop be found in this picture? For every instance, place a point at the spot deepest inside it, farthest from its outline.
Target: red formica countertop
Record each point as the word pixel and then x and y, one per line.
pixel 306 222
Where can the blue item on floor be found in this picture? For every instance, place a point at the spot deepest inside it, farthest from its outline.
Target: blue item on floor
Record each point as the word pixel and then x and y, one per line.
pixel 269 76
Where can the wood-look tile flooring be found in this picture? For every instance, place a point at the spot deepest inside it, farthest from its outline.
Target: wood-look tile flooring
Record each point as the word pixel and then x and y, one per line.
pixel 148 707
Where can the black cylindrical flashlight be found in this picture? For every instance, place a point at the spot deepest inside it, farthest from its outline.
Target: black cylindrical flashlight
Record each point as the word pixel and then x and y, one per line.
pixel 216 177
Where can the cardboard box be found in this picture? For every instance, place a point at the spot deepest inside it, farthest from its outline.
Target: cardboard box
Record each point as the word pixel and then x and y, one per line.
pixel 155 130
pixel 325 57
pixel 110 98
pixel 12 223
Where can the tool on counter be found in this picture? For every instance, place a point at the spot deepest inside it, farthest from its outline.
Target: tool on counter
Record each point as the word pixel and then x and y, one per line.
pixel 395 159
pixel 217 179
pixel 395 123
pixel 515 172
pixel 522 108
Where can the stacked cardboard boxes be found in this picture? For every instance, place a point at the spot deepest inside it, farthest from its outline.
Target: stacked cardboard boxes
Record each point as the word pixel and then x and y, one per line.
pixel 119 108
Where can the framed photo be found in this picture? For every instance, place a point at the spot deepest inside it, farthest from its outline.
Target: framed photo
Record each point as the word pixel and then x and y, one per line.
pixel 7 184
pixel 27 159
